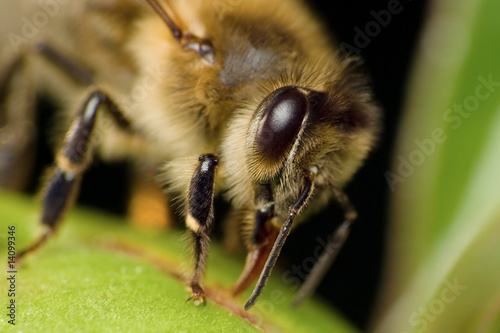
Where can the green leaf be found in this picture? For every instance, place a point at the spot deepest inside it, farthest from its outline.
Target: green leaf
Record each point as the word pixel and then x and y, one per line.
pixel 444 257
pixel 100 274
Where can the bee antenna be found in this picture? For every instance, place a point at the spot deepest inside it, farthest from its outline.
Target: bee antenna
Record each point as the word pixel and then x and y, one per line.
pixel 299 205
pixel 176 32
pixel 188 41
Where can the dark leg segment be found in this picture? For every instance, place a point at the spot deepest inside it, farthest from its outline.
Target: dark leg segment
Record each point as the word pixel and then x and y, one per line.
pixel 280 240
pixel 262 239
pixel 72 160
pixel 199 218
pixel 58 197
pixel 73 71
pixel 331 251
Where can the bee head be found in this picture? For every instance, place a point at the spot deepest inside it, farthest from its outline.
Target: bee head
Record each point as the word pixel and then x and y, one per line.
pixel 327 124
pixel 296 128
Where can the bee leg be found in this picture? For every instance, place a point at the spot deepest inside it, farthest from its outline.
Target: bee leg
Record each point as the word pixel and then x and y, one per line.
pixel 331 251
pixel 199 219
pixel 297 208
pixel 17 112
pixel 256 258
pixel 72 160
pixel 262 239
pixel 72 70
pixel 17 130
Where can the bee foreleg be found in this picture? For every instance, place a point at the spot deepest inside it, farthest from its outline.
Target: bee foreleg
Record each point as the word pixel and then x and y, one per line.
pixel 199 219
pixel 72 160
pixel 331 251
pixel 297 208
pixel 261 241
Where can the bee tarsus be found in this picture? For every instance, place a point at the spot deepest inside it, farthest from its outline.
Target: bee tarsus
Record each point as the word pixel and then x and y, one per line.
pixel 197 295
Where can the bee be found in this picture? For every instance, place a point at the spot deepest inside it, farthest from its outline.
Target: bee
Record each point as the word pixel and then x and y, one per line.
pixel 247 99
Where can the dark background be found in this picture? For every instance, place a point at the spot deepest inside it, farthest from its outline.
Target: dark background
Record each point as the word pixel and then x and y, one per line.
pixel 352 283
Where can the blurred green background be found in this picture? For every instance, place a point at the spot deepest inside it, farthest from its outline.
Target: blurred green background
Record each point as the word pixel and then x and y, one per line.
pixel 443 251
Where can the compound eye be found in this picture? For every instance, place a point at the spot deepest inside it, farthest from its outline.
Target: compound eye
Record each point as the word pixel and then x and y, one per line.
pixel 281 123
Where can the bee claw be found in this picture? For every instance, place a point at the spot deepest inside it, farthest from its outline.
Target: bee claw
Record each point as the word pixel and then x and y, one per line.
pixel 197 295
